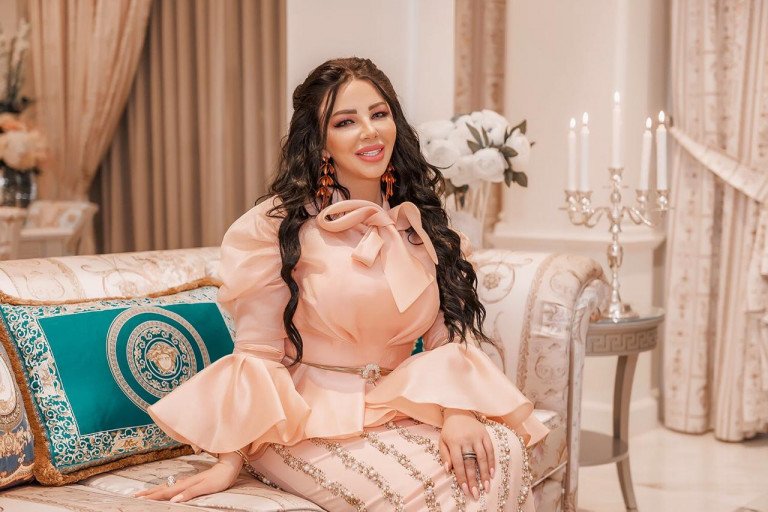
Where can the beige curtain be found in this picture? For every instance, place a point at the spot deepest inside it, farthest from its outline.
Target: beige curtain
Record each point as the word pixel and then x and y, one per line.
pixel 201 131
pixel 84 57
pixel 479 66
pixel 716 336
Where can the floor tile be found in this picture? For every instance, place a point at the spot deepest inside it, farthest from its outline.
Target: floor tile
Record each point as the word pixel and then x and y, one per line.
pixel 676 472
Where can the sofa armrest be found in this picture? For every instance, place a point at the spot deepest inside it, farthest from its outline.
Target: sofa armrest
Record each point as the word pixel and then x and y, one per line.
pixel 535 302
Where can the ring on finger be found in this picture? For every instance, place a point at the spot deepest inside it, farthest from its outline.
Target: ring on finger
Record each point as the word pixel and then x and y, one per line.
pixel 170 481
pixel 469 455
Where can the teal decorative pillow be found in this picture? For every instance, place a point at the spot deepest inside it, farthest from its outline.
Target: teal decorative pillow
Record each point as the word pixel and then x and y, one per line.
pixel 92 368
pixel 16 442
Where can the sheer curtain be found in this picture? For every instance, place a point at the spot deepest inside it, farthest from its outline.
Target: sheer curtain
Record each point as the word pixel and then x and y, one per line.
pixel 84 57
pixel 716 336
pixel 201 132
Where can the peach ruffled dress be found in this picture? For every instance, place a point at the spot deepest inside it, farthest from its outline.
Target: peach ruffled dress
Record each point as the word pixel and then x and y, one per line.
pixel 367 291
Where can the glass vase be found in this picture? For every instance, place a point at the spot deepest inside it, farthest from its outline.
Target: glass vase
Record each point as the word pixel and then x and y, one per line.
pixel 26 187
pixel 7 185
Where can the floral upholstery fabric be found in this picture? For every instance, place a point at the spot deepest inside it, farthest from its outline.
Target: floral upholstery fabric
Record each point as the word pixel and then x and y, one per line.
pixel 538 310
pixel 114 490
pixel 105 276
pixel 551 455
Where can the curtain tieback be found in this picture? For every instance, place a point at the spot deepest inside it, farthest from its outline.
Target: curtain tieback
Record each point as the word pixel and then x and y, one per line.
pixel 747 180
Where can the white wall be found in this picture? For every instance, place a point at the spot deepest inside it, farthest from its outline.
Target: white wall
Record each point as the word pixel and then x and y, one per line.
pixel 410 40
pixel 564 58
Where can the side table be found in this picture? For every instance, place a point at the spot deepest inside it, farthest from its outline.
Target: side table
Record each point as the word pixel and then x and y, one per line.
pixel 626 338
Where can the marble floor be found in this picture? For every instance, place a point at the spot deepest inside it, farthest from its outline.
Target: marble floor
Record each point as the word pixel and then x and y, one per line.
pixel 675 472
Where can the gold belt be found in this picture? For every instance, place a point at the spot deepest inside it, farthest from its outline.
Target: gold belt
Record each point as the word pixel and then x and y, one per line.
pixel 370 372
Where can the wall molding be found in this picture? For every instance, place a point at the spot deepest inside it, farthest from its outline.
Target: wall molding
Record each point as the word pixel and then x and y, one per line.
pixel 633 238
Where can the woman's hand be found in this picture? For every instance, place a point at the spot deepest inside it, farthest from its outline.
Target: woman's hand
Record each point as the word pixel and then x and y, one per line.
pixel 218 478
pixel 463 433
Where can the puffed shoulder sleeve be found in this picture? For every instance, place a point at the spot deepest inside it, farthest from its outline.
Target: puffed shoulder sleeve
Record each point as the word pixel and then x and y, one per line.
pixel 456 376
pixel 246 399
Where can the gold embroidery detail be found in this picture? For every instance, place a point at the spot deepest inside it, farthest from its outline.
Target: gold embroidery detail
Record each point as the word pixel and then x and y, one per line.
pixel 252 471
pixel 317 474
pixel 431 449
pixel 500 432
pixel 389 449
pixel 527 479
pixel 350 462
pixel 483 502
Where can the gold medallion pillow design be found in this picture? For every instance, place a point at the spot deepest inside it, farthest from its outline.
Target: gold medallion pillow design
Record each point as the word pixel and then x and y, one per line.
pixel 91 369
pixel 16 442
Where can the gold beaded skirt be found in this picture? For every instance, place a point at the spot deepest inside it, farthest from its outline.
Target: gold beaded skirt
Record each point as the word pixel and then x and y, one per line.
pixel 395 467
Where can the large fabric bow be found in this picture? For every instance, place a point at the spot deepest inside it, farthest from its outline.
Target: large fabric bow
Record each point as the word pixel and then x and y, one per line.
pixel 404 273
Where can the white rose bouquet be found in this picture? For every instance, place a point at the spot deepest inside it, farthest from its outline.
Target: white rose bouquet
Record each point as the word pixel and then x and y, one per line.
pixel 474 148
pixel 22 150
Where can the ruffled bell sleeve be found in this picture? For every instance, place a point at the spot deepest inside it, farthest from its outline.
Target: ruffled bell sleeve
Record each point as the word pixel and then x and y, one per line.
pixel 247 398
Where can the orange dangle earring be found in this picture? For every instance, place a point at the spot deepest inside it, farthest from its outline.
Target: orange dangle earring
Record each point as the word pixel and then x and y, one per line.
pixel 326 181
pixel 388 178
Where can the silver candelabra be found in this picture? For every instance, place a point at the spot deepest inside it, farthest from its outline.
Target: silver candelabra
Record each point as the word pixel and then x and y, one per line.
pixel 582 213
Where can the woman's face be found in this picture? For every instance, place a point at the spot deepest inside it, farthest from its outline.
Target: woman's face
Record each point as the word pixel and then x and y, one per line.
pixel 361 133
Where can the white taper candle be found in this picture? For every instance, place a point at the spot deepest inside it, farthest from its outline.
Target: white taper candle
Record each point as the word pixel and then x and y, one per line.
pixel 645 156
pixel 572 174
pixel 584 171
pixel 661 154
pixel 616 130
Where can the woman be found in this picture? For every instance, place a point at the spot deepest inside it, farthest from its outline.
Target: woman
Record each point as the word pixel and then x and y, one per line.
pixel 329 283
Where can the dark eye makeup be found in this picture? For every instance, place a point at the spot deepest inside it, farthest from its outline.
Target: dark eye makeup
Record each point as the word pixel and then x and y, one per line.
pixel 345 122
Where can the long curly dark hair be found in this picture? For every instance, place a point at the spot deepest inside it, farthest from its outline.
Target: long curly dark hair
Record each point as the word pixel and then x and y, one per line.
pixel 419 182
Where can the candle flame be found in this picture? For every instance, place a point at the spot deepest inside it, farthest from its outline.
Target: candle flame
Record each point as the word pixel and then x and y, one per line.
pixel 573 123
pixel 585 118
pixel 648 123
pixel 661 117
pixel 616 97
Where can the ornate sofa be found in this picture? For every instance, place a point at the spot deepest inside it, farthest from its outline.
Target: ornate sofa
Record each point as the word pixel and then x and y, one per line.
pixel 539 306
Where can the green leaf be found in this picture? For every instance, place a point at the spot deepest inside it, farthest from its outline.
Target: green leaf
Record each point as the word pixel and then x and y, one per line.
pixel 474 146
pixel 507 132
pixel 486 140
pixel 533 143
pixel 450 188
pixel 508 152
pixel 520 178
pixel 475 134
pixel 522 126
pixel 508 176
